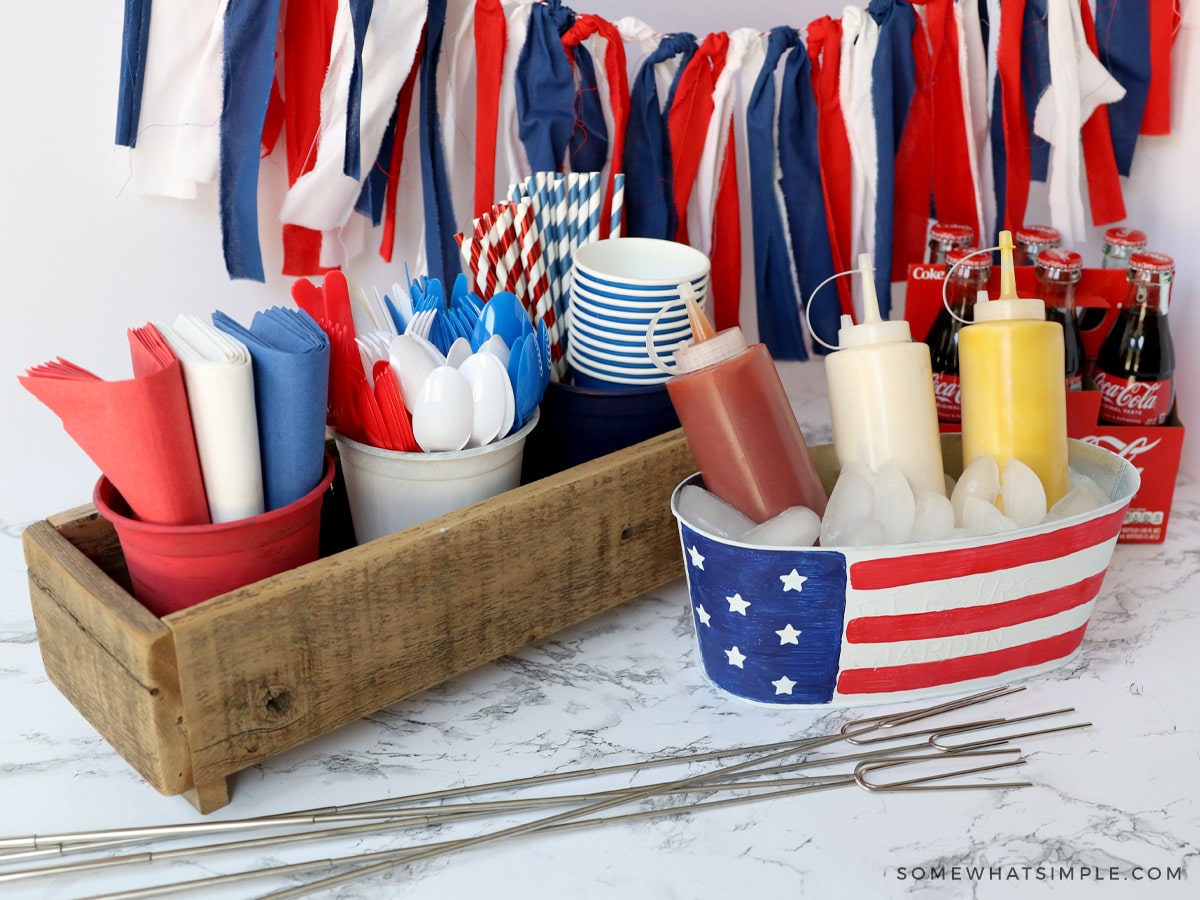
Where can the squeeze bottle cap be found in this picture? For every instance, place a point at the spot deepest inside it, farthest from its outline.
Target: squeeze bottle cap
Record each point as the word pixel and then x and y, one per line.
pixel 708 346
pixel 874 329
pixel 1008 305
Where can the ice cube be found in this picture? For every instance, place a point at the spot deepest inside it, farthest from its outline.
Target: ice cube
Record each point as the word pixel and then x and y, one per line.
pixel 981 518
pixel 851 500
pixel 1022 494
pixel 1086 483
pixel 863 533
pixel 981 480
pixel 895 504
pixel 933 518
pixel 708 512
pixel 798 526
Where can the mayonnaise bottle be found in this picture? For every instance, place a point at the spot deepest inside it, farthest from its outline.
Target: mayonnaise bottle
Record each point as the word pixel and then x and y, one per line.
pixel 1013 395
pixel 881 397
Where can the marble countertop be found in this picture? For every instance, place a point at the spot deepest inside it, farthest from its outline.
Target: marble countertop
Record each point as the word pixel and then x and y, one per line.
pixel 1112 813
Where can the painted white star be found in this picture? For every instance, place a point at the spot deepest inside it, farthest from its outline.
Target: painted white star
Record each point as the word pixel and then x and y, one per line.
pixel 703 614
pixel 736 657
pixel 788 635
pixel 737 604
pixel 793 581
pixel 784 685
pixel 697 559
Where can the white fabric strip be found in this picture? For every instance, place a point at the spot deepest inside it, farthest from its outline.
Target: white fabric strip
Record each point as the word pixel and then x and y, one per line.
pixel 860 38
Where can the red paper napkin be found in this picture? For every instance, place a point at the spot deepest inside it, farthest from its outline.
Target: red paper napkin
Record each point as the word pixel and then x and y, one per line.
pixel 138 431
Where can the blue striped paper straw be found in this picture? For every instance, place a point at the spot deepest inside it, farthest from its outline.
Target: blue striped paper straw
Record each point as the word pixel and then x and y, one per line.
pixel 563 238
pixel 617 213
pixel 595 193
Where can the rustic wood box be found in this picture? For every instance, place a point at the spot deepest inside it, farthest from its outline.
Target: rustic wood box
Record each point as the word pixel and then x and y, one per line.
pixel 201 694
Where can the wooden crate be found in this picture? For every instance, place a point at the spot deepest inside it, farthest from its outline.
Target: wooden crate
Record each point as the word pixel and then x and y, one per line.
pixel 201 694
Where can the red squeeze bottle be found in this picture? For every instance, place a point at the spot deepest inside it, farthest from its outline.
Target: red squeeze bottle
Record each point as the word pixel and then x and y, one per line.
pixel 740 425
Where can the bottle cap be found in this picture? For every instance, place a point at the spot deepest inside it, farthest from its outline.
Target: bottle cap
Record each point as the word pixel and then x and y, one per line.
pixel 968 258
pixel 958 235
pixel 708 346
pixel 1062 260
pixel 1152 263
pixel 874 329
pixel 1125 237
pixel 1008 305
pixel 1036 234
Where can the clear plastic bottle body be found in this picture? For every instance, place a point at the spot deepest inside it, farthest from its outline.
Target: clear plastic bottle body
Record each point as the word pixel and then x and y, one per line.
pixel 1057 273
pixel 1135 371
pixel 1014 397
pixel 882 409
pixel 970 275
pixel 744 435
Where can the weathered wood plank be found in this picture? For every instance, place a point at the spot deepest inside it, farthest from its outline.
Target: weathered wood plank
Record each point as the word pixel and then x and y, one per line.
pixel 269 666
pixel 106 653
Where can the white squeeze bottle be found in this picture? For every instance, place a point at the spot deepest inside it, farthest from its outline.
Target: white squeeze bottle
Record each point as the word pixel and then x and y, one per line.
pixel 881 398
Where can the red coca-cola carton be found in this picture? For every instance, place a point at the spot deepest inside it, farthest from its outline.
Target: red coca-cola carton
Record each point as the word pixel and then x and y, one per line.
pixel 1154 449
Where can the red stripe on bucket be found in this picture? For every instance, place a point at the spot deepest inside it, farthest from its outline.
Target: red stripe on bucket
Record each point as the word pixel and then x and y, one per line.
pixel 948 671
pixel 898 571
pixel 972 619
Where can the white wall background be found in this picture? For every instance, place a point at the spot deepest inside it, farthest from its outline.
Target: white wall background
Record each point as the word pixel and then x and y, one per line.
pixel 85 258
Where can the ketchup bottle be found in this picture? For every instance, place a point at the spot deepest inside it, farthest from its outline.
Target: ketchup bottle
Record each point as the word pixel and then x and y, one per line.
pixel 739 422
pixel 1136 366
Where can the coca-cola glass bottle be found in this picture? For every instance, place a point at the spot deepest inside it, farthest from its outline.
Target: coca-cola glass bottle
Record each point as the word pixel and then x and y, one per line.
pixel 966 276
pixel 944 237
pixel 1119 244
pixel 1136 367
pixel 1030 240
pixel 1057 272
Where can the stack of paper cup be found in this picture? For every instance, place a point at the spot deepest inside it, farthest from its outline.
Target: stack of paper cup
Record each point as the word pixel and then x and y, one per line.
pixel 617 287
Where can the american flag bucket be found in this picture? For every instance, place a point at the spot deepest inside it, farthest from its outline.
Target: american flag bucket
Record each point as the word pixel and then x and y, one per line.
pixel 859 625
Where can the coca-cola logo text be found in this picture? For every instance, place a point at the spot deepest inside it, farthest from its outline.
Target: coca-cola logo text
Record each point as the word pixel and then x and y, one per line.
pixel 1139 395
pixel 928 273
pixel 947 390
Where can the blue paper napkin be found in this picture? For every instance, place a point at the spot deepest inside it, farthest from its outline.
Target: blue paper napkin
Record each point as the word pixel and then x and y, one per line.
pixel 290 355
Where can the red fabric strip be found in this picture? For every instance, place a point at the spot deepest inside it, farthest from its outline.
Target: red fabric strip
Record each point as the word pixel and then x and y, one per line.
pixel 688 120
pixel 726 276
pixel 953 179
pixel 491 37
pixel 585 26
pixel 914 163
pixel 972 619
pixel 825 53
pixel 876 574
pixel 1016 125
pixel 1103 180
pixel 1164 25
pixel 947 671
pixel 403 107
pixel 307 33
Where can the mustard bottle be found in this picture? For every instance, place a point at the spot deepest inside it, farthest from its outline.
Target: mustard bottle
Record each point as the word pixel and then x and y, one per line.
pixel 1014 402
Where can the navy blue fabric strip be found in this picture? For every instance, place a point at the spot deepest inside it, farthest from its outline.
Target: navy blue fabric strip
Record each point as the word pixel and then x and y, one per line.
pixel 135 37
pixel 545 88
pixel 804 197
pixel 1123 41
pixel 778 308
pixel 893 82
pixel 440 248
pixel 360 17
pixel 1035 78
pixel 589 134
pixel 249 52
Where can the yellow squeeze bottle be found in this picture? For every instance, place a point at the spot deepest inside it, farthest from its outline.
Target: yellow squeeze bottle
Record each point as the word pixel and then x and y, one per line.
pixel 1014 403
